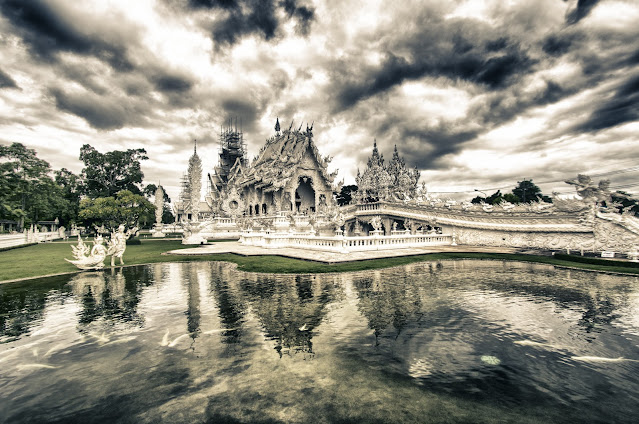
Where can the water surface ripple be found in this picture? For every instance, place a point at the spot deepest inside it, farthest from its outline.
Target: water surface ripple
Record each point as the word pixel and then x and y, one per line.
pixel 446 341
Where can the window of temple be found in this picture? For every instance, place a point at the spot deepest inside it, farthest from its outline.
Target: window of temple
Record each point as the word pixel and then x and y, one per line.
pixel 264 208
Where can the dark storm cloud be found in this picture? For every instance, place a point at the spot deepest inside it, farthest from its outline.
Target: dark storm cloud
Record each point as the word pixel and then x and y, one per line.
pixel 259 19
pixel 46 32
pixel 491 62
pixel 558 44
pixel 239 108
pixel 172 83
pixel 422 146
pixel 621 108
pixel 581 10
pixel 432 145
pixel 211 4
pixel 304 15
pixel 6 81
pixel 253 17
pixel 103 113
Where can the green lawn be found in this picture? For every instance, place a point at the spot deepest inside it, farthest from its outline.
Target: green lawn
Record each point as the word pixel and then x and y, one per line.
pixel 48 258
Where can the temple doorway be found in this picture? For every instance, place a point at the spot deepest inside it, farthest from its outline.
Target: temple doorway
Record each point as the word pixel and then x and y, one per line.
pixel 305 196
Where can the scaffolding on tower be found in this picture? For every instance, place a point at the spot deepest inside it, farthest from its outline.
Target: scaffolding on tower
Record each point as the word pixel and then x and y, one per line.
pixel 231 151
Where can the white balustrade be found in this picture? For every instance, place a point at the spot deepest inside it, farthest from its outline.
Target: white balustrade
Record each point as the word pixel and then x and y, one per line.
pixel 11 240
pixel 19 239
pixel 343 244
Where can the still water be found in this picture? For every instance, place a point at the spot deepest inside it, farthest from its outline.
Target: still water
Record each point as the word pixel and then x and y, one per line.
pixel 447 341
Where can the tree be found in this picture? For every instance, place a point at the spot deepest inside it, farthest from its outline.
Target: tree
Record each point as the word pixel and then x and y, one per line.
pixel 528 192
pixel 125 208
pixel 511 198
pixel 106 174
pixel 493 199
pixel 345 195
pixel 70 186
pixel 624 201
pixel 27 192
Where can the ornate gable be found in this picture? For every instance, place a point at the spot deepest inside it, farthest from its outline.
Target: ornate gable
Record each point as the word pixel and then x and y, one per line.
pixel 281 155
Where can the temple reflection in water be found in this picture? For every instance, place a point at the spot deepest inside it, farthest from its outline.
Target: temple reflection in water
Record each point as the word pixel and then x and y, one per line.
pixel 290 308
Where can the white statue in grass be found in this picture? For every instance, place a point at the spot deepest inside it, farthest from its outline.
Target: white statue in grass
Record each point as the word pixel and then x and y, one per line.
pixel 117 245
pixel 85 259
pixel 94 259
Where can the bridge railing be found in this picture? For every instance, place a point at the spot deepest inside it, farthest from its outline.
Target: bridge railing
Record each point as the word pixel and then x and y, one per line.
pixel 344 244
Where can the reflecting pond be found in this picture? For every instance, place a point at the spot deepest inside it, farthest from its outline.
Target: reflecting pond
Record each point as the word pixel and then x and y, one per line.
pixel 446 341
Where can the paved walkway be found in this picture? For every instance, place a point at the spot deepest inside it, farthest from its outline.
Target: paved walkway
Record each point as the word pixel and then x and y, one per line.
pixel 332 257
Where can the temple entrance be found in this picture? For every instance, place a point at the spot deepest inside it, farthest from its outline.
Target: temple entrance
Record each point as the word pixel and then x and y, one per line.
pixel 305 196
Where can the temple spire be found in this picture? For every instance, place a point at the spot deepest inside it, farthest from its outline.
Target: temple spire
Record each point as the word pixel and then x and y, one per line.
pixel 277 125
pixel 195 147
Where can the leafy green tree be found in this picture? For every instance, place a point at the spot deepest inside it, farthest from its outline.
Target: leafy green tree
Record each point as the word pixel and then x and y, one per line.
pixel 478 199
pixel 70 187
pixel 345 195
pixel 511 198
pixel 528 192
pixel 106 174
pixel 125 208
pixel 495 198
pixel 27 192
pixel 625 202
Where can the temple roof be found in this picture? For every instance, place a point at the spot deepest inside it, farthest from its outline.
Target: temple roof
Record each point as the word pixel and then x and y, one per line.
pixel 278 159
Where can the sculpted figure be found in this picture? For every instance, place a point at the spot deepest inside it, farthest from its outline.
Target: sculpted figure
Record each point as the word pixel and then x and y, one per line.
pixel 81 250
pixel 117 246
pixel 95 260
pixel 587 189
pixel 507 206
pixel 376 222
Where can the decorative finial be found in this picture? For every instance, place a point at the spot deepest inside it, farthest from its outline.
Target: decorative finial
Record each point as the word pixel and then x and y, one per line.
pixel 277 125
pixel 195 147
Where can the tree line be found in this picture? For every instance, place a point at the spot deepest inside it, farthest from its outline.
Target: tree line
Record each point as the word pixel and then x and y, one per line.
pixel 107 192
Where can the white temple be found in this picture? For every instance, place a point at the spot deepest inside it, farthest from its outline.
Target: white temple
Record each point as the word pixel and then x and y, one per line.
pixel 284 198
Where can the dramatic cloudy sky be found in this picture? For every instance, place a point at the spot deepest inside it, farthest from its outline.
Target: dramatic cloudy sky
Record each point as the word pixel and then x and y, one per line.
pixel 476 94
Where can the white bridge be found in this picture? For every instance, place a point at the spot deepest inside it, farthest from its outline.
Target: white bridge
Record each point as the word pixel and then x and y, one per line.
pixel 396 225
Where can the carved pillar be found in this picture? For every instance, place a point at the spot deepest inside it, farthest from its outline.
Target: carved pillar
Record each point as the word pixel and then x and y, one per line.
pixel 293 200
pixel 277 201
pixel 387 225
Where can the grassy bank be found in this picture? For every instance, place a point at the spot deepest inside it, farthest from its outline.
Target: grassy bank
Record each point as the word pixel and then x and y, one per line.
pixel 48 258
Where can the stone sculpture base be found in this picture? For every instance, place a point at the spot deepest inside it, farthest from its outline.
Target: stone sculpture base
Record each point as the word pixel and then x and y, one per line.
pixel 194 239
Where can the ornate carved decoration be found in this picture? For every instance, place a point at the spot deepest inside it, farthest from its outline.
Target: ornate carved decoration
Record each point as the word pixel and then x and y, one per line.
pixel 159 204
